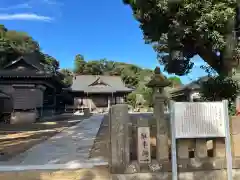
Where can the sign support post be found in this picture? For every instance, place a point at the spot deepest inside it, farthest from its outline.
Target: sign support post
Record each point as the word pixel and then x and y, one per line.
pixel 228 142
pixel 173 140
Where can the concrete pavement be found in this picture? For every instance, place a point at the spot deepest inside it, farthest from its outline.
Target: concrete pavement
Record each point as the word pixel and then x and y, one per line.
pixel 68 149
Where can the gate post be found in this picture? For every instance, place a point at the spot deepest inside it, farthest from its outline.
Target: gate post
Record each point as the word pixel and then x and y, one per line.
pixel 119 138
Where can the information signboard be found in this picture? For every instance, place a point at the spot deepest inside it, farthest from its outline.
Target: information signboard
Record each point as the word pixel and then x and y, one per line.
pixel 199 119
pixel 144 153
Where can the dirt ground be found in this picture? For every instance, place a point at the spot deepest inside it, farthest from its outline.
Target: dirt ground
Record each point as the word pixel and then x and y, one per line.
pixel 15 139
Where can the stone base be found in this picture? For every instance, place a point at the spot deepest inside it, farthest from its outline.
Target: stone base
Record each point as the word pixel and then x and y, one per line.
pixel 96 173
pixel 199 175
pixel 23 117
pixel 102 173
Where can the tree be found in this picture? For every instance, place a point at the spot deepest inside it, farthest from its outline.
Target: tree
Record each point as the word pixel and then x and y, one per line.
pixel 179 30
pixel 14 44
pixel 50 62
pixel 218 88
pixel 148 96
pixel 93 68
pixel 129 77
pixel 131 99
pixel 67 76
pixel 79 64
pixel 176 81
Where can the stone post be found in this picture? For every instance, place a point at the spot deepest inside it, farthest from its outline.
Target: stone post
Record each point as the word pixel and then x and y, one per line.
pixel 157 83
pixel 162 149
pixel 119 140
pixel 143 141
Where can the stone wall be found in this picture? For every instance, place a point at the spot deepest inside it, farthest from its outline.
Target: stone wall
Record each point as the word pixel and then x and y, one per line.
pixel 196 175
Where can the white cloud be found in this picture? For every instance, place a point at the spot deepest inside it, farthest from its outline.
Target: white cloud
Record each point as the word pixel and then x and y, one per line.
pixel 24 16
pixel 32 10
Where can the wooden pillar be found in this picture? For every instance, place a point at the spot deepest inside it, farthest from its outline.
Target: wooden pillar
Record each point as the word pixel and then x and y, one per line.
pixel 54 100
pixel 112 99
pixel 109 102
pixel 90 104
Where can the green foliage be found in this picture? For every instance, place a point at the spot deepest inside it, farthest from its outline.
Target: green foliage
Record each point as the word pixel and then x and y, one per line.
pixel 14 44
pixel 148 96
pixel 176 81
pixel 50 63
pixel 79 64
pixel 130 73
pixel 179 30
pixel 131 99
pixel 133 76
pixel 219 88
pixel 67 76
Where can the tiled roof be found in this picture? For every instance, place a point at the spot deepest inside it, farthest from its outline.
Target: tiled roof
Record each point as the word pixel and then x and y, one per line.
pixel 4 95
pixel 194 85
pixel 85 83
pixel 28 73
pixel 32 59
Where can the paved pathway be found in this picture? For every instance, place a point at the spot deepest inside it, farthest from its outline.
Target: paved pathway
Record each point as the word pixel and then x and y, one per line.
pixel 71 146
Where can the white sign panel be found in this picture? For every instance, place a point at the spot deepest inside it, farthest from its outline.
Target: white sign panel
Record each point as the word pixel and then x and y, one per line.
pixel 199 119
pixel 144 153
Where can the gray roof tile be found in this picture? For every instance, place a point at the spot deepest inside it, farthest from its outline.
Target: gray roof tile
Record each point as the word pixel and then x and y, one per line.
pixel 32 59
pixel 4 95
pixel 194 85
pixel 113 84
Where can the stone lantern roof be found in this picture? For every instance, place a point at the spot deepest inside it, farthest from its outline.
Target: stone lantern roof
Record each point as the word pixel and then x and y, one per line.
pixel 158 80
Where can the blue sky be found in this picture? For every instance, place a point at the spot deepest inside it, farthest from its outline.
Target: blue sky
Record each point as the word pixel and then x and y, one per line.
pixel 94 28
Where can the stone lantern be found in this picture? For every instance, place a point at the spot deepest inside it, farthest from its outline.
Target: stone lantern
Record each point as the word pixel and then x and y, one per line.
pixel 158 82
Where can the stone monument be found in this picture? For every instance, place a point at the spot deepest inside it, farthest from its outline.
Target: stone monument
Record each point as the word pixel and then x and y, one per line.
pixel 158 82
pixel 119 140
